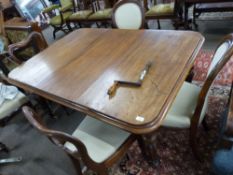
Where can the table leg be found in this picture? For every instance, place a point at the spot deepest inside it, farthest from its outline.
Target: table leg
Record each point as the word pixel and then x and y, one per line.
pixel 147 143
pixel 186 20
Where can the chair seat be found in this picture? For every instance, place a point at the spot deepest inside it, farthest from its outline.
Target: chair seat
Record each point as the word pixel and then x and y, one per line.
pixel 56 20
pixel 182 109
pixel 10 106
pixel 161 9
pixel 83 14
pixel 100 139
pixel 102 14
pixel 50 8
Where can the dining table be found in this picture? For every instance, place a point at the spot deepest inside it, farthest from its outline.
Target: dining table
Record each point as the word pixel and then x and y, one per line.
pixel 78 70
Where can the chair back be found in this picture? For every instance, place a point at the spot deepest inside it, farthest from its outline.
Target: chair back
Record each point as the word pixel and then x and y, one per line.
pixel 65 2
pixel 59 138
pixel 218 64
pixel 219 53
pixel 22 51
pixel 128 14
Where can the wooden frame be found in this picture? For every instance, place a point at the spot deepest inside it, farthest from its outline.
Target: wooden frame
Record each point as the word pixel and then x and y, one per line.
pixel 35 39
pixel 120 3
pixel 60 138
pixel 204 91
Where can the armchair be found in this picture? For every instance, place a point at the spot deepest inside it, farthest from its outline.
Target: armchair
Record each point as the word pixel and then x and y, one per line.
pixel 35 42
pixel 164 10
pixel 58 14
pixel 95 143
pixel 16 32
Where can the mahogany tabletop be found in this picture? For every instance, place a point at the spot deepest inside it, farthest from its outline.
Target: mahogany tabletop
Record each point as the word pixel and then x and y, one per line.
pixel 78 70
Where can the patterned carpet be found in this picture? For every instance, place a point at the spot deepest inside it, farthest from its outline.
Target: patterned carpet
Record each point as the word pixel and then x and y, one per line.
pixel 173 146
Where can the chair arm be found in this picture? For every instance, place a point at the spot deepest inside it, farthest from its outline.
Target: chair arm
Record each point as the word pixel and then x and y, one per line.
pixel 50 8
pixel 65 8
pixel 40 41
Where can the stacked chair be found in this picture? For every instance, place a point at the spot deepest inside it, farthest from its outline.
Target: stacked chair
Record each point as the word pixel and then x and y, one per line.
pixel 58 14
pixel 91 12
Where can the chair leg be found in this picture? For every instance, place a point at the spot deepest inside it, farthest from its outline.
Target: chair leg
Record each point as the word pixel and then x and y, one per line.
pixel 3 148
pixel 204 124
pixel 77 166
pixel 54 33
pixel 158 23
pixel 103 171
pixel 193 141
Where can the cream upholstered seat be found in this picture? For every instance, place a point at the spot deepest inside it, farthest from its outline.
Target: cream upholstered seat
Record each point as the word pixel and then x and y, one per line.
pixel 100 139
pixel 10 106
pixel 183 107
pixel 128 14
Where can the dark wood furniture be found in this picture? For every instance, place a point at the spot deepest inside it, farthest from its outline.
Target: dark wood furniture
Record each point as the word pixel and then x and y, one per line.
pixel 171 11
pixel 212 6
pixel 16 30
pixel 80 75
pixel 79 151
pixel 35 41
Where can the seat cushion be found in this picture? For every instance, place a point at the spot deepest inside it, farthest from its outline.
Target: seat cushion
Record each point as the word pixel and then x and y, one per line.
pixel 102 14
pixel 161 9
pixel 100 139
pixel 56 20
pixel 50 8
pixel 10 106
pixel 83 14
pixel 182 109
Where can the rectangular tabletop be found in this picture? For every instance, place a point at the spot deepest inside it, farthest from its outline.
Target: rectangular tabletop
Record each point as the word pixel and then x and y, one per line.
pixel 77 71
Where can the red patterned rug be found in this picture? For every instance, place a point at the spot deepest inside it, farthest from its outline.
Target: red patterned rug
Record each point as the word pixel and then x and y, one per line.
pixel 173 146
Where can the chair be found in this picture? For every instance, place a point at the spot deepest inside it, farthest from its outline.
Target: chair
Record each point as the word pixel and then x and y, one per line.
pixel 96 143
pixel 163 10
pixel 16 32
pixel 58 21
pixel 222 159
pixel 215 6
pixel 189 107
pixel 91 12
pixel 128 14
pixel 33 44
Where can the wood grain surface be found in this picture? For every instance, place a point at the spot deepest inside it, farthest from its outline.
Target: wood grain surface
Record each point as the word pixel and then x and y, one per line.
pixel 77 71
